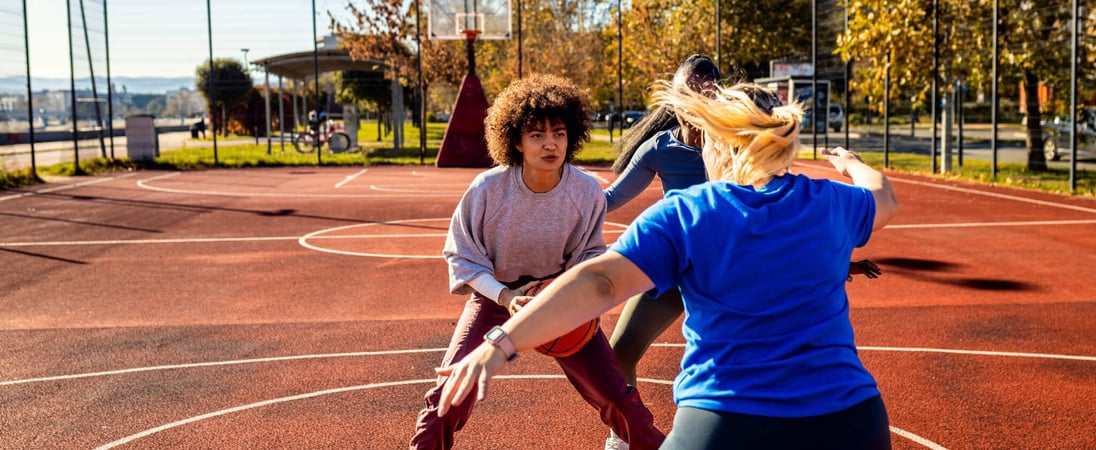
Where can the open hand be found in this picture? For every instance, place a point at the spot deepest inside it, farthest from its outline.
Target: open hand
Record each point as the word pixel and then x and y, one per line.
pixel 864 267
pixel 474 372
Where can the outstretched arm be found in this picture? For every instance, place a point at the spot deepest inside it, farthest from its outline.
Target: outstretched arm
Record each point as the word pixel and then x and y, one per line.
pixel 580 294
pixel 849 164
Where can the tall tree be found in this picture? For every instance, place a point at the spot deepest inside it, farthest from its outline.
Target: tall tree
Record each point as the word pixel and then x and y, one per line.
pixel 753 32
pixel 231 83
pixel 1031 34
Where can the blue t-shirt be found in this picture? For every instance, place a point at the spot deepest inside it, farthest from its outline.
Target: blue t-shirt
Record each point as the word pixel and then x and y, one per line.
pixel 676 164
pixel 762 273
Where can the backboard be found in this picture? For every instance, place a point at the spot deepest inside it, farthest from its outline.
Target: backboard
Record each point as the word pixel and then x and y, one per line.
pixel 448 19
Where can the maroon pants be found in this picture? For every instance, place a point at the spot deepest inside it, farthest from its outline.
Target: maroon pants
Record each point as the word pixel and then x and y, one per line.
pixel 593 371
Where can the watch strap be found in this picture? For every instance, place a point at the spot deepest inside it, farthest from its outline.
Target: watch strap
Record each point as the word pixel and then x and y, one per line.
pixel 499 338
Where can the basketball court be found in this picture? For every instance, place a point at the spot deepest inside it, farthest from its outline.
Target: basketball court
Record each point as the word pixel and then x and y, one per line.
pixel 307 307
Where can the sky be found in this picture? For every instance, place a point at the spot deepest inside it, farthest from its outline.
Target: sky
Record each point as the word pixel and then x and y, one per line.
pixel 156 38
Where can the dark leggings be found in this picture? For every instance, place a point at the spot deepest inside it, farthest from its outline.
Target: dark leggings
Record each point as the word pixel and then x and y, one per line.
pixel 642 320
pixel 863 426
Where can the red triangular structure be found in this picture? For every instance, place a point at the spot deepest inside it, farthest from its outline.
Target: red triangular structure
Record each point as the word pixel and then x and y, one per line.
pixel 464 144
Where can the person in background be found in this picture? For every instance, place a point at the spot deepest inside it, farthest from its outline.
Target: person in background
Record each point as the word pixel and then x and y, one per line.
pixel 760 256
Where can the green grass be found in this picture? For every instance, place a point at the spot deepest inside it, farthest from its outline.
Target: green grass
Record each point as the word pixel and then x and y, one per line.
pixel 596 152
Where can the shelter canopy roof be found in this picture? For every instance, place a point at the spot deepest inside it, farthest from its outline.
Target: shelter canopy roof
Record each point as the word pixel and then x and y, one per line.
pixel 300 65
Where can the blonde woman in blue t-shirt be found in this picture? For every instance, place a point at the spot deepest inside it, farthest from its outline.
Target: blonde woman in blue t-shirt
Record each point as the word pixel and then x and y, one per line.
pixel 761 258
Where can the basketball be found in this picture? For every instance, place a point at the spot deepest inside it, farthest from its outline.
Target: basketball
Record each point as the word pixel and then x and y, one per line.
pixel 571 342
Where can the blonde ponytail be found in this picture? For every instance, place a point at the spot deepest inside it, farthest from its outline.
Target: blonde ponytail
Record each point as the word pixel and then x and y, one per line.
pixel 749 138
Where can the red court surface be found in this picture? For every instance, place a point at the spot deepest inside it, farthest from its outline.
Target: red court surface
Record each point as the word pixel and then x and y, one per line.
pixel 306 308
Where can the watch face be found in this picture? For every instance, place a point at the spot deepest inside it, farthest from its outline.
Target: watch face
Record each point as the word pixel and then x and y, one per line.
pixel 495 334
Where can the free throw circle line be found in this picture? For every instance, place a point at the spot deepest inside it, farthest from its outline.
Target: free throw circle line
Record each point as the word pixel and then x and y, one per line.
pixel 906 434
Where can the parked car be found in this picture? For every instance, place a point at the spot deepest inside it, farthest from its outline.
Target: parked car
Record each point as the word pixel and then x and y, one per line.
pixel 837 117
pixel 631 117
pixel 1056 140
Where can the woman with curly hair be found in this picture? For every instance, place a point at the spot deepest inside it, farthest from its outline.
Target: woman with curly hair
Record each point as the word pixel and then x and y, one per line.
pixel 761 256
pixel 527 219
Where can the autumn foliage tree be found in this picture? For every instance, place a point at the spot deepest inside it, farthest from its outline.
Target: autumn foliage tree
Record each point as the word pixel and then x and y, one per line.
pixel 231 86
pixel 1033 37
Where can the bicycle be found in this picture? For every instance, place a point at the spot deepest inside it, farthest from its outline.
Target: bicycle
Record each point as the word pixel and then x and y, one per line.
pixel 336 139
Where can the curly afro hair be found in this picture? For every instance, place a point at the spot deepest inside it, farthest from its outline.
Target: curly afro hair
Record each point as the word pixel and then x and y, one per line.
pixel 534 100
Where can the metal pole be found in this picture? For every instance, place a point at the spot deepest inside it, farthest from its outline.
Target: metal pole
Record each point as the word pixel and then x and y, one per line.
pixel 422 86
pixel 886 111
pixel 1073 100
pixel 935 75
pixel 519 39
pixel 814 77
pixel 110 84
pixel 958 105
pixel 848 95
pixel 212 82
pixel 91 77
pixel 281 113
pixel 620 71
pixel 30 97
pixel 266 104
pixel 718 34
pixel 316 74
pixel 76 170
pixel 993 87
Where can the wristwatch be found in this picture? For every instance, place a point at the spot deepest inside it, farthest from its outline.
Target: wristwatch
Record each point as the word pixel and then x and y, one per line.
pixel 497 336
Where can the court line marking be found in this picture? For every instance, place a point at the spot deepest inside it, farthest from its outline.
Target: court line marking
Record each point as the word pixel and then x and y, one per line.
pixel 992 224
pixel 303 241
pixel 898 431
pixel 218 363
pixel 350 178
pixel 144 184
pixel 314 235
pixel 946 187
pixel 66 187
pixel 440 350
pixel 950 351
pixel 995 195
pixel 133 437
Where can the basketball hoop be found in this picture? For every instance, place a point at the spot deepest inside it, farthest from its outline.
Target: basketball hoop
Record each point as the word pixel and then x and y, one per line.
pixel 469 20
pixel 471 34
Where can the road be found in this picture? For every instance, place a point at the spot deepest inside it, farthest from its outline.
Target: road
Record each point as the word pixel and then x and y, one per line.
pixel 18 156
pixel 1011 147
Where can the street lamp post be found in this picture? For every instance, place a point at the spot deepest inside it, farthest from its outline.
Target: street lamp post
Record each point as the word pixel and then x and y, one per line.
pixel 245 50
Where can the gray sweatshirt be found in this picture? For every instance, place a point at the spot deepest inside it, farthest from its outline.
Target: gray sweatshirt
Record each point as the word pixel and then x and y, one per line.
pixel 503 229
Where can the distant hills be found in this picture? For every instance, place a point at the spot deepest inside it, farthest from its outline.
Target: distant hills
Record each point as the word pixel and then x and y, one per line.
pixel 132 85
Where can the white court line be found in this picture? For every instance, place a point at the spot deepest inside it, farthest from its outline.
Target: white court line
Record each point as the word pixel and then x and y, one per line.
pixel 133 437
pixel 460 190
pixel 971 191
pixel 898 431
pixel 992 224
pixel 600 178
pixel 65 187
pixel 439 350
pixel 218 363
pixel 995 195
pixel 350 178
pixel 953 351
pixel 144 185
pixel 315 236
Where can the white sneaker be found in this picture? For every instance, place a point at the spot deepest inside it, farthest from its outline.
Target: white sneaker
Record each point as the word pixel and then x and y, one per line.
pixel 615 443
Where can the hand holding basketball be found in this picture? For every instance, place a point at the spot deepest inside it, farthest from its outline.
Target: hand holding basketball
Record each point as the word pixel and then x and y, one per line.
pixel 567 344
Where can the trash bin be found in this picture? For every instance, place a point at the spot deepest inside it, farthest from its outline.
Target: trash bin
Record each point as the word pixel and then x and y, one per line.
pixel 142 142
pixel 194 132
